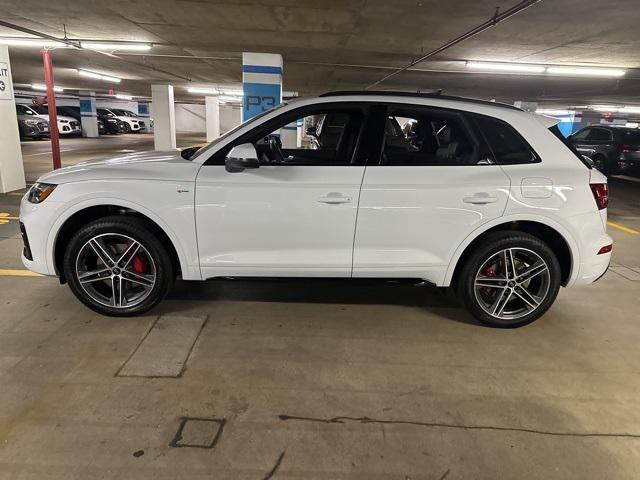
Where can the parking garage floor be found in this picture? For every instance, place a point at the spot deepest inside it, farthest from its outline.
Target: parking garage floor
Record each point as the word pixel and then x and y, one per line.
pixel 315 379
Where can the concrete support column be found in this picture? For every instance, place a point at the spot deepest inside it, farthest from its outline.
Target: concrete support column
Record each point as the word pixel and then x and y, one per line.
pixel 289 135
pixel 88 115
pixel 11 167
pixel 212 117
pixel 261 83
pixel 164 117
pixel 145 115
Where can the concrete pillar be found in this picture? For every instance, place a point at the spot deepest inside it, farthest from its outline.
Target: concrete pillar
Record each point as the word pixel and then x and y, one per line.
pixel 164 117
pixel 145 115
pixel 261 83
pixel 299 132
pixel 212 117
pixel 289 135
pixel 11 167
pixel 88 115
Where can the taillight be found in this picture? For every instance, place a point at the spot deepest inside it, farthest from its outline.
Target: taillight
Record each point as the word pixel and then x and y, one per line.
pixel 605 249
pixel 601 194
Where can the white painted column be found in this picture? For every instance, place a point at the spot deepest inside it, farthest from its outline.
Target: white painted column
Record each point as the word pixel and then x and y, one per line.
pixel 88 115
pixel 261 83
pixel 11 167
pixel 164 117
pixel 212 117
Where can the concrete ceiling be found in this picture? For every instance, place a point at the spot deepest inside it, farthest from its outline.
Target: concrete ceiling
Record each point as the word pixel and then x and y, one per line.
pixel 339 44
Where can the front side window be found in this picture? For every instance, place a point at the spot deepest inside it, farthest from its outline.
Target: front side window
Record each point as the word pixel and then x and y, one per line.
pixel 582 134
pixel 427 137
pixel 507 145
pixel 313 136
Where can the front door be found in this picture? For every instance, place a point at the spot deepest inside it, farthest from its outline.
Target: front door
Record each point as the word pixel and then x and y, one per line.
pixel 434 183
pixel 295 215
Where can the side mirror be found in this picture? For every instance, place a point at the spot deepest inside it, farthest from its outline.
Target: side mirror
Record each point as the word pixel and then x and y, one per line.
pixel 312 131
pixel 241 157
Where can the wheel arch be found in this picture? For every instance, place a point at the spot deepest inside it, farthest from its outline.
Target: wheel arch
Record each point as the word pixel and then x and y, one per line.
pixel 552 233
pixel 88 213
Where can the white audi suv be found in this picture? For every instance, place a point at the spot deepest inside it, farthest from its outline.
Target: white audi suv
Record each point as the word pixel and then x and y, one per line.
pixel 454 192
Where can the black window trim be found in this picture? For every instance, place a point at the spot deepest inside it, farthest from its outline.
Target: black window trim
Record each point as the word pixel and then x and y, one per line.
pixel 218 158
pixel 538 159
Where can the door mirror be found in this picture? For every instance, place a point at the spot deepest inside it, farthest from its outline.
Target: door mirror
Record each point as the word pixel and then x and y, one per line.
pixel 312 131
pixel 241 157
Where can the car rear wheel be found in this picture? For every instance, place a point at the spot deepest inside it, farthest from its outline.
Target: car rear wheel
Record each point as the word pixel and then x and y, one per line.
pixel 510 280
pixel 116 266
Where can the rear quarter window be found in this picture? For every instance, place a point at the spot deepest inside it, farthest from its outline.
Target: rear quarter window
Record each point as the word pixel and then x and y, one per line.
pixel 507 145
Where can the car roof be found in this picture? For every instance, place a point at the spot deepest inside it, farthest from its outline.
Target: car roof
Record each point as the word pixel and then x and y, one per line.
pixel 435 95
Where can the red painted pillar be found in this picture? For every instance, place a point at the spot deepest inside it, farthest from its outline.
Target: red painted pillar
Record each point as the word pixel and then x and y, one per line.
pixel 51 105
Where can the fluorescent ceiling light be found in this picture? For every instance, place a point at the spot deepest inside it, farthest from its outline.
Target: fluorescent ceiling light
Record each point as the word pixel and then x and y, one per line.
pixel 233 93
pixel 506 67
pixel 99 76
pixel 606 108
pixel 122 96
pixel 229 98
pixel 206 91
pixel 32 42
pixel 116 46
pixel 588 72
pixel 551 111
pixel 39 86
pixel 630 110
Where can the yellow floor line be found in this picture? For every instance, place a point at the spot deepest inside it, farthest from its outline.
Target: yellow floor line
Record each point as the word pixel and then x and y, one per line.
pixel 7 272
pixel 623 228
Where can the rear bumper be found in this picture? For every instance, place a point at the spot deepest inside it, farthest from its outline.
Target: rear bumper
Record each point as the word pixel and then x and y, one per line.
pixel 594 266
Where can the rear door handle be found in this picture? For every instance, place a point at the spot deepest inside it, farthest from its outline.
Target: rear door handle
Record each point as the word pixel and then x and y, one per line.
pixel 334 198
pixel 480 199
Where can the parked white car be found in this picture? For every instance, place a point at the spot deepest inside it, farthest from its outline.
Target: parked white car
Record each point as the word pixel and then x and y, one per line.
pixel 131 121
pixel 66 125
pixel 454 192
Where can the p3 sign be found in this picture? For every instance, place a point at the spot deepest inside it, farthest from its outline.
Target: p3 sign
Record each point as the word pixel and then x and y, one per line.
pixel 260 97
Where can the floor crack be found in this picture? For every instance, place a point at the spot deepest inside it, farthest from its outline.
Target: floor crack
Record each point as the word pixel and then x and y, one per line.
pixel 366 420
pixel 275 468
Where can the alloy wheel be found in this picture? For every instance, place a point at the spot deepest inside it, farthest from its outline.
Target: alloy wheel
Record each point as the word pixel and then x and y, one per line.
pixel 115 270
pixel 512 283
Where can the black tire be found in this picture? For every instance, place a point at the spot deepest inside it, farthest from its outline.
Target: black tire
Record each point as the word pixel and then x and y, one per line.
pixel 126 128
pixel 492 244
pixel 133 228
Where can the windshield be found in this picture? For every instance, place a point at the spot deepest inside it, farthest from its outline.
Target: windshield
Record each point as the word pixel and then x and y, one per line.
pixel 206 149
pixel 124 113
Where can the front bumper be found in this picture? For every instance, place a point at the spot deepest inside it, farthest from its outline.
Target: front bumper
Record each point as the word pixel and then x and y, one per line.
pixel 36 223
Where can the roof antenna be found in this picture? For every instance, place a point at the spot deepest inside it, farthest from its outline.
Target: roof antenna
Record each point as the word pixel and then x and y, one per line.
pixel 495 15
pixel 64 29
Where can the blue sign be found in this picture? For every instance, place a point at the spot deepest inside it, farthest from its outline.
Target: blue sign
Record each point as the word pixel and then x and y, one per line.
pixel 260 97
pixel 143 109
pixel 87 107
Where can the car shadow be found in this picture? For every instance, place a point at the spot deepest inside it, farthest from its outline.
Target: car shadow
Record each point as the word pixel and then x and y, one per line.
pixel 329 291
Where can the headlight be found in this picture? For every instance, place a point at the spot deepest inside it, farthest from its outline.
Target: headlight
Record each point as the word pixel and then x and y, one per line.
pixel 40 191
pixel 111 120
pixel 32 123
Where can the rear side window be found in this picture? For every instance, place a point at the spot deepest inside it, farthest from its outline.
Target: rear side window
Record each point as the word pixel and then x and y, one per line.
pixel 567 143
pixel 600 135
pixel 507 145
pixel 424 137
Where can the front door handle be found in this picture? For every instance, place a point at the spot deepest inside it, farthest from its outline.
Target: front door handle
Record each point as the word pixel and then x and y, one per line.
pixel 480 199
pixel 334 198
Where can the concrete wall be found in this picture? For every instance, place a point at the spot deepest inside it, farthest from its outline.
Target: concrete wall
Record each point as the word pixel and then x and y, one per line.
pixel 190 118
pixel 229 117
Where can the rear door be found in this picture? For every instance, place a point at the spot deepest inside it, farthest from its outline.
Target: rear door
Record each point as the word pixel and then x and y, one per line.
pixel 431 184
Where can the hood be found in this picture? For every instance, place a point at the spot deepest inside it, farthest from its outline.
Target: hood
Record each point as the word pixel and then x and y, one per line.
pixel 161 166
pixel 22 117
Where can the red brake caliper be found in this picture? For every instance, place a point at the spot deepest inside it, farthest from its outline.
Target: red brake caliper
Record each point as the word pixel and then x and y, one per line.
pixel 489 272
pixel 140 265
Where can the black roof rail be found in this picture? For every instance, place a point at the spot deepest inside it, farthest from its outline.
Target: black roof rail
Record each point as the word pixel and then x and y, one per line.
pixel 342 93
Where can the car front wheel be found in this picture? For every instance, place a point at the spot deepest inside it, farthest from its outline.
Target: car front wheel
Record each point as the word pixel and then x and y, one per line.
pixel 116 266
pixel 510 280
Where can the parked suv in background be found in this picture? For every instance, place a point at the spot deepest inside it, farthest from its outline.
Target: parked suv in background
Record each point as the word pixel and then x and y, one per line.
pixel 66 125
pixel 611 148
pixel 482 197
pixel 32 127
pixel 130 121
